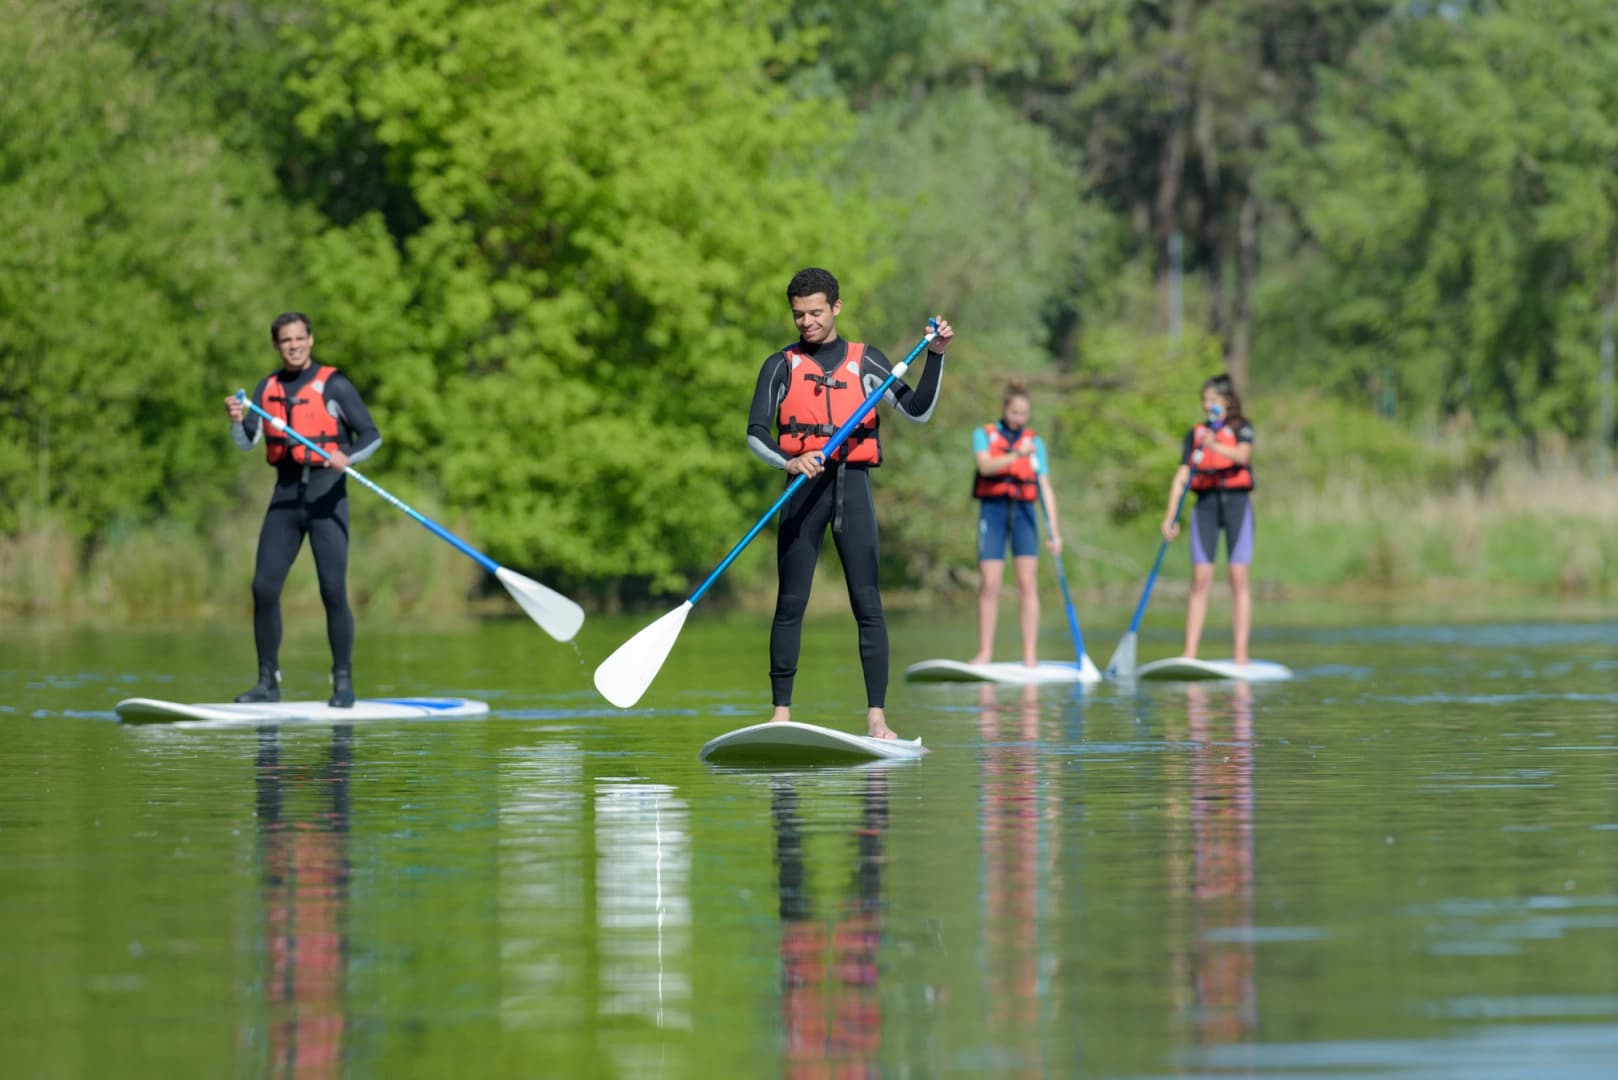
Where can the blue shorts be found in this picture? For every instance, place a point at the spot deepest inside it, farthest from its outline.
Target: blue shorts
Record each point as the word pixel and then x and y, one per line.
pixel 999 517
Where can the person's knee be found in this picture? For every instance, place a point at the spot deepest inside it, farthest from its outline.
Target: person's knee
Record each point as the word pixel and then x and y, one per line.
pixel 790 606
pixel 333 591
pixel 1201 578
pixel 266 590
pixel 866 601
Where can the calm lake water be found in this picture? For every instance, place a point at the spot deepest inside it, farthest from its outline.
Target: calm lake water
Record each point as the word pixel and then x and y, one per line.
pixel 1402 864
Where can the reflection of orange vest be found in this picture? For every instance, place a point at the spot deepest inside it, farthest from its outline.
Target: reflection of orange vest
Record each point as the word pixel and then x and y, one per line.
pixel 816 405
pixel 1215 470
pixel 1019 481
pixel 306 414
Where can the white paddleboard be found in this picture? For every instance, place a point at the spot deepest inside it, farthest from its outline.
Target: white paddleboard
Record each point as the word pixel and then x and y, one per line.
pixel 1181 669
pixel 150 710
pixel 1006 672
pixel 787 742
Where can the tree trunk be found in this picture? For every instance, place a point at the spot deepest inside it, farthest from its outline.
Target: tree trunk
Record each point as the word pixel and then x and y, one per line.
pixel 1246 274
pixel 1171 168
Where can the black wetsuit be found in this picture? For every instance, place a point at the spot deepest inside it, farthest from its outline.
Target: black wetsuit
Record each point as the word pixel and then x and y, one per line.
pixel 841 497
pixel 308 499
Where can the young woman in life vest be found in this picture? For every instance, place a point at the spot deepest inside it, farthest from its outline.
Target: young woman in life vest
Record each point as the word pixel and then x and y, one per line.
pixel 1012 475
pixel 1217 462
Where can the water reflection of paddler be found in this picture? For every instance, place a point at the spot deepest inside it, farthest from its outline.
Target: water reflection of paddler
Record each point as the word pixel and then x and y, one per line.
pixel 831 1010
pixel 1016 865
pixel 303 848
pixel 1215 982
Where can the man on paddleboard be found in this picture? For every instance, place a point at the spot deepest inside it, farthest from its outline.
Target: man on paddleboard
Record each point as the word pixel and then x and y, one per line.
pixel 310 497
pixel 805 391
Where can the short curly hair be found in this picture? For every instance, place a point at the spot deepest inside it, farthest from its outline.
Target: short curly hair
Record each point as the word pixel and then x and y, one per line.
pixel 811 281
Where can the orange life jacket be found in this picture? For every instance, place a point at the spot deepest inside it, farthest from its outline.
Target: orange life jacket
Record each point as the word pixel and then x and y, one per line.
pixel 305 413
pixel 1020 481
pixel 1216 471
pixel 817 404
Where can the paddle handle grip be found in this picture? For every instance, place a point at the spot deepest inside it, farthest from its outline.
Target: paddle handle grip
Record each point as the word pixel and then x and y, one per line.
pixel 430 525
pixel 837 439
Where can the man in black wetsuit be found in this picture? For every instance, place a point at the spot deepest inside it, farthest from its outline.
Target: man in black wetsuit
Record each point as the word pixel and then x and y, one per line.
pixel 805 392
pixel 310 496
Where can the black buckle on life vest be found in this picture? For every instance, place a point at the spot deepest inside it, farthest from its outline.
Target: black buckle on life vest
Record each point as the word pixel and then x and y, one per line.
pixel 792 427
pixel 825 381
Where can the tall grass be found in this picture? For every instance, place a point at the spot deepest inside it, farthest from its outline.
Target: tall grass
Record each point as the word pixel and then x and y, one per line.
pixel 161 573
pixel 1346 501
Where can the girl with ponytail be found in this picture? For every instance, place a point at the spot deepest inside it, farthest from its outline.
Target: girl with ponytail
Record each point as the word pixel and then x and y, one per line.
pixel 1217 464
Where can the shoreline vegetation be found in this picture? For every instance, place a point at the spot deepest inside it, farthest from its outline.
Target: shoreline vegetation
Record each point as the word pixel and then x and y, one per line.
pixel 1402 518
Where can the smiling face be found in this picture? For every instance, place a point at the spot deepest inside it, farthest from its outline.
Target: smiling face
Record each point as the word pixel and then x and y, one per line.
pixel 815 318
pixel 294 342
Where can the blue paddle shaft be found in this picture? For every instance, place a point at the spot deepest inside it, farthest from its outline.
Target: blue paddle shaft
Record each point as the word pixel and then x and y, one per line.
pixel 1067 597
pixel 1157 564
pixel 837 439
pixel 432 526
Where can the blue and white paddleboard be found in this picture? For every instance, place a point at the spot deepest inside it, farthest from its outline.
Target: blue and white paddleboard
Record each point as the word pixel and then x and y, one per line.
pixel 150 710
pixel 1183 669
pixel 789 742
pixel 1007 673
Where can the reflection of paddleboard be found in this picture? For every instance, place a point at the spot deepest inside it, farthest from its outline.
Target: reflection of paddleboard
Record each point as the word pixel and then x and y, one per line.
pixel 1180 669
pixel 788 741
pixel 1007 672
pixel 149 710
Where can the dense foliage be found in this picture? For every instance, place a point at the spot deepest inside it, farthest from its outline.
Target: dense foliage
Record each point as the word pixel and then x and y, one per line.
pixel 549 241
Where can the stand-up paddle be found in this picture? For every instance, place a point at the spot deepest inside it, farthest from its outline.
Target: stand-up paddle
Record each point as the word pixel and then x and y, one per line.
pixel 556 614
pixel 1081 659
pixel 1122 664
pixel 624 676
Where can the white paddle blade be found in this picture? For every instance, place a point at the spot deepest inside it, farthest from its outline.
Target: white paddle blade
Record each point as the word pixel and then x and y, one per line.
pixel 556 614
pixel 1122 664
pixel 624 676
pixel 1088 675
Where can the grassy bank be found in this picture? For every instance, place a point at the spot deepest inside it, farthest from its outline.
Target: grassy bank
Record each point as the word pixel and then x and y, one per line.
pixel 157 573
pixel 1347 504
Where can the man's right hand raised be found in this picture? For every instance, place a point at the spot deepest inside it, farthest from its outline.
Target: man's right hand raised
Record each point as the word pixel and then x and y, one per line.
pixel 234 406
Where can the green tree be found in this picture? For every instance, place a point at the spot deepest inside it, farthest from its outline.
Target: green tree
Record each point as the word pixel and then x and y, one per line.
pixel 612 199
pixel 139 254
pixel 1463 202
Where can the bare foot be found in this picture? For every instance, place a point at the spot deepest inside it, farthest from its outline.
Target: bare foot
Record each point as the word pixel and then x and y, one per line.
pixel 876 725
pixel 980 658
pixel 781 714
pixel 1026 662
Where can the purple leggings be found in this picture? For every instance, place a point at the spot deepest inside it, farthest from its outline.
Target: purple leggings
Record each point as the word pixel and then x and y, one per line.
pixel 1227 511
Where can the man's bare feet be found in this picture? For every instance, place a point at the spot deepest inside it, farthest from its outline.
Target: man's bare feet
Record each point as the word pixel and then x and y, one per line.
pixel 781 713
pixel 876 725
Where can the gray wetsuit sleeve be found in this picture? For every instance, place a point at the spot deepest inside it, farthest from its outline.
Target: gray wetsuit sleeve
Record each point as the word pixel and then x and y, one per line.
pixel 916 405
pixel 344 403
pixel 767 397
